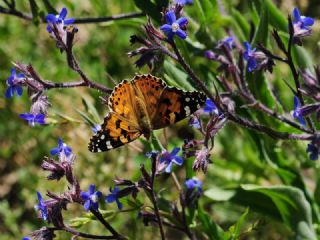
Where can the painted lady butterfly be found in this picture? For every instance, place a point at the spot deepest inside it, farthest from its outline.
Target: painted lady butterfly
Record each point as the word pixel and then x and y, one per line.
pixel 137 107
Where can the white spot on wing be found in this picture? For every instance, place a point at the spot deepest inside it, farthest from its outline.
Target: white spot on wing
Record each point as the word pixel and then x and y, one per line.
pixel 108 143
pixel 187 109
pixel 102 136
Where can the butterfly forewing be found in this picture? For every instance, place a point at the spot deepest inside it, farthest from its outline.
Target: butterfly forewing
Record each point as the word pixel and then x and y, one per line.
pixel 151 89
pixel 121 100
pixel 175 105
pixel 115 132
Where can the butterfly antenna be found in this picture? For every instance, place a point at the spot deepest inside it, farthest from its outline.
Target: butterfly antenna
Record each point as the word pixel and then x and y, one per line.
pixel 111 79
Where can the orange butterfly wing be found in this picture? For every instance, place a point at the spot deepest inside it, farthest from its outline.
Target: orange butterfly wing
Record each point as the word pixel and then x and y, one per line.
pixel 150 88
pixel 143 95
pixel 175 105
pixel 115 132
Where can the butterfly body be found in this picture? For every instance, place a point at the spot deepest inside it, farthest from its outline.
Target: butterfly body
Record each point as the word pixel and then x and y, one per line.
pixel 140 106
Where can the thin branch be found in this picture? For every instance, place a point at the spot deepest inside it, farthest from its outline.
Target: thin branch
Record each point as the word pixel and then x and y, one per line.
pixel 99 216
pixel 85 235
pixel 109 18
pixel 28 17
pixel 155 204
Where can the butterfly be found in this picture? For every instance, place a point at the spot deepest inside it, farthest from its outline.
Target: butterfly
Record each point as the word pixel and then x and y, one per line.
pixel 138 107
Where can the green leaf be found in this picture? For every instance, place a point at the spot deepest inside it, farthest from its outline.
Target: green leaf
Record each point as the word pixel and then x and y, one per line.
pixel 213 230
pixel 261 35
pixel 175 76
pixel 235 230
pixel 291 204
pixel 219 194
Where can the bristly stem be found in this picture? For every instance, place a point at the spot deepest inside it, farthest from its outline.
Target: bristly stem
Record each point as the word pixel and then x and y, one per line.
pixel 232 116
pixel 154 199
pixel 27 16
pixel 294 71
pixel 85 235
pixel 99 216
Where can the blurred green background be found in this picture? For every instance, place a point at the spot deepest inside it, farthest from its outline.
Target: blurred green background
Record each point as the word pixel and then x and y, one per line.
pixel 240 157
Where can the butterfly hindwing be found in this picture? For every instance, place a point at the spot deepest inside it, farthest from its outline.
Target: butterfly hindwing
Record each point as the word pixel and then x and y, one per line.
pixel 115 132
pixel 175 105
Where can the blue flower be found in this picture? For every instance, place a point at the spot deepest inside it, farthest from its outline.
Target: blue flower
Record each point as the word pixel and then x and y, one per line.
pixel 210 107
pixel 13 84
pixel 96 128
pixel 297 113
pixel 58 20
pixel 26 238
pixel 174 26
pixel 113 197
pixel 302 21
pixel 91 198
pixel 301 24
pixel 249 56
pixel 184 2
pixel 227 42
pixel 313 150
pixel 42 207
pixel 194 183
pixel 33 118
pixel 170 158
pixel 62 148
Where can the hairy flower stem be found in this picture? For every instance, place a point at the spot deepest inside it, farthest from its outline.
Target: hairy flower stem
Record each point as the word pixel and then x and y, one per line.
pixel 296 77
pixel 99 216
pixel 154 201
pixel 85 235
pixel 232 116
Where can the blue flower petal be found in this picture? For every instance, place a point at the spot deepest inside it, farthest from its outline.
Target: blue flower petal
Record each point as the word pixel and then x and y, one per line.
pixel 91 189
pixel 170 17
pixel 110 198
pixel 182 34
pixel 169 168
pixel 69 21
pixel 95 205
pixel 247 46
pixel 84 195
pixel 63 13
pixel 55 151
pixel 307 21
pixel 119 204
pixel 87 205
pixel 296 102
pixel 26 116
pixel 175 151
pixel 9 92
pixel 166 28
pixel 178 160
pixel 296 14
pixel 19 90
pixel 50 18
pixel 182 21
pixel 13 72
